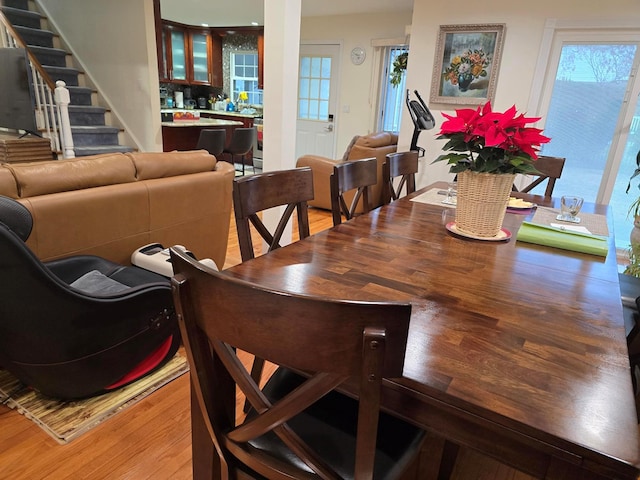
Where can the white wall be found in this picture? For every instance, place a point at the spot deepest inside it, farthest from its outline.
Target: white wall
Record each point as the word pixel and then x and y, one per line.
pixel 114 42
pixel 525 22
pixel 355 82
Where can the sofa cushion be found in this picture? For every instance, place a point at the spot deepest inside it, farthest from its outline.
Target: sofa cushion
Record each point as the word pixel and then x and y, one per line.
pixel 359 152
pixel 110 221
pixel 170 164
pixel 8 186
pixel 40 178
pixel 379 139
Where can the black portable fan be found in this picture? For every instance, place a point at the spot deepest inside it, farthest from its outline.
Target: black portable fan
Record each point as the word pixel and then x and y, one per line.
pixel 422 119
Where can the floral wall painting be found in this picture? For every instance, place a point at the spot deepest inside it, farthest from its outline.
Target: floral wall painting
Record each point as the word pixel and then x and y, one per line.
pixel 467 63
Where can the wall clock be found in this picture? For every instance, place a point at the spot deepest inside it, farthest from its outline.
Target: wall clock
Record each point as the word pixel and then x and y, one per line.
pixel 358 55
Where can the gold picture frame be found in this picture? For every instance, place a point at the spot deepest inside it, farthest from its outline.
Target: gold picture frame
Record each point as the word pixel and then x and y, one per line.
pixel 466 64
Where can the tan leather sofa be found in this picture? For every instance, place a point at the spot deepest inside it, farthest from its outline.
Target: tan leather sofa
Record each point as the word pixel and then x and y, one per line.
pixel 111 204
pixel 373 145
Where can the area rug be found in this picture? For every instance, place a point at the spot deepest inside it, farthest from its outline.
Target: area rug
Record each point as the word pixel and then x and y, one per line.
pixel 65 421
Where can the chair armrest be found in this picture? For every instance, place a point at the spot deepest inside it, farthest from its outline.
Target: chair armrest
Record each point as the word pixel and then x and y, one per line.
pixel 317 161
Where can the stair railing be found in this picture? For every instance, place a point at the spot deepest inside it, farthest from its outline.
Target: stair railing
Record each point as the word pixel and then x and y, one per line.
pixel 51 101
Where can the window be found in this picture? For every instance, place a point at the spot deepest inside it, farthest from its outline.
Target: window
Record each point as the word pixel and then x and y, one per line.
pixel 391 96
pixel 589 100
pixel 314 88
pixel 244 77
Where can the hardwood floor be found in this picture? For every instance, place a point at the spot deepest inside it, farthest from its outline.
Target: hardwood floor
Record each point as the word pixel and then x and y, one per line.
pixel 151 440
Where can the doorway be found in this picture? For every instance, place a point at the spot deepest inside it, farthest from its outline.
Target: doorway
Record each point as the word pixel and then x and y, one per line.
pixel 317 100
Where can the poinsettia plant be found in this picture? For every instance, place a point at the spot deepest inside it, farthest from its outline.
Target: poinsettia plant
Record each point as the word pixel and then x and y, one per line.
pixel 482 140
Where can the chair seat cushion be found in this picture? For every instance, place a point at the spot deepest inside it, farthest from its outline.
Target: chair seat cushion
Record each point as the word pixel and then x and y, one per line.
pixel 329 427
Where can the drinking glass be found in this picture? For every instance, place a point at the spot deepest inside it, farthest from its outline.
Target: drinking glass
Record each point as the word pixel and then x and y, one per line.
pixel 451 193
pixel 570 207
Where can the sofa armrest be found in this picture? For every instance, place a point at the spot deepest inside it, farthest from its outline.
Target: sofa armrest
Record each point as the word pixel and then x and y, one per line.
pixel 322 169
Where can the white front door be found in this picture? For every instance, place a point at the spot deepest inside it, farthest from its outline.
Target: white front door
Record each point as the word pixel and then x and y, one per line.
pixel 317 100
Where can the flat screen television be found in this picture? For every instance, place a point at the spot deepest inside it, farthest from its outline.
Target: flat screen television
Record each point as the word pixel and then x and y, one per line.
pixel 17 104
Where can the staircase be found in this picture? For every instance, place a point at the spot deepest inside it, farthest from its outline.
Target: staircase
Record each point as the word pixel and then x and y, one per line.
pixel 90 133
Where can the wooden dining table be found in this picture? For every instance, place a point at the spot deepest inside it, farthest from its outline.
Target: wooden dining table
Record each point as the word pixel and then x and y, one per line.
pixel 515 350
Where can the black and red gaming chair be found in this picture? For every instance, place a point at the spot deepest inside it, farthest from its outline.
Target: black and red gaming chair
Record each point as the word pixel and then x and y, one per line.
pixel 78 326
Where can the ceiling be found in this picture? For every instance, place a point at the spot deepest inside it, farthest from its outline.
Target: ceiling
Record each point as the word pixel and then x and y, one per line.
pixel 225 13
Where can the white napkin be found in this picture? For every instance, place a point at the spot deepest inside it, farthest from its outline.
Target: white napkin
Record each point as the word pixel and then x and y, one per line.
pixel 572 228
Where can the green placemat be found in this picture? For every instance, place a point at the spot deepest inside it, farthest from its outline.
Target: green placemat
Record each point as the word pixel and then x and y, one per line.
pixel 564 239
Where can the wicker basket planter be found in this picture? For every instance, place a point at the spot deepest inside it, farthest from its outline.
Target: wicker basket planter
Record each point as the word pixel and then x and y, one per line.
pixel 482 200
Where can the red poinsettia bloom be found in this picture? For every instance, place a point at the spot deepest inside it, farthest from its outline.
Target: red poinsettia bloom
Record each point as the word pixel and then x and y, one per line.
pixel 487 141
pixel 464 122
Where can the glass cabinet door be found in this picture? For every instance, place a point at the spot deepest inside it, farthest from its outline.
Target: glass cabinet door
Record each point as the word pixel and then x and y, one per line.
pixel 200 54
pixel 179 55
pixel 164 60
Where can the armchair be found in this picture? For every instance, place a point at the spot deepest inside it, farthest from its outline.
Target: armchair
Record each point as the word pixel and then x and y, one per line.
pixel 78 326
pixel 376 145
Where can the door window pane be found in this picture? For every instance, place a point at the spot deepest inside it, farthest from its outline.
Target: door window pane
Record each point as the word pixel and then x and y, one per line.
pixel 314 88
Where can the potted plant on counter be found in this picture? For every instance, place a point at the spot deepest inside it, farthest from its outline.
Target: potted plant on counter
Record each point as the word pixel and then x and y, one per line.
pixel 486 149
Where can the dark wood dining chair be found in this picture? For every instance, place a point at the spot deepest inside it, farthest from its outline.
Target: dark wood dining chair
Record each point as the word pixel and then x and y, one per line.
pixel 241 144
pixel 299 426
pixel 256 193
pixel 212 140
pixel 403 165
pixel 355 177
pixel 550 169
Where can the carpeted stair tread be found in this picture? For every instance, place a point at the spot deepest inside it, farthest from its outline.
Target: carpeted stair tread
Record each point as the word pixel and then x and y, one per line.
pixel 52 57
pixel 19 4
pixel 67 74
pixel 36 36
pixel 87 115
pixel 20 17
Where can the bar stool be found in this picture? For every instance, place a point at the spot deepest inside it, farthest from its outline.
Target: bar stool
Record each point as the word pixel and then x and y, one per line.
pixel 241 144
pixel 212 141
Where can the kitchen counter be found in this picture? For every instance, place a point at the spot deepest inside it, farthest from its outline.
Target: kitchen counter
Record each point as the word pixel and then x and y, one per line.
pixel 212 112
pixel 184 134
pixel 203 122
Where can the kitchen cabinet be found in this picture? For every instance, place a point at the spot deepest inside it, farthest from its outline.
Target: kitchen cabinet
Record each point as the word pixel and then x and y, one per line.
pixel 261 60
pixel 173 66
pixel 190 55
